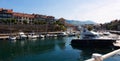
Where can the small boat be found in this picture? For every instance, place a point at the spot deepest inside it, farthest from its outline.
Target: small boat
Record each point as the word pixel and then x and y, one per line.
pixel 32 35
pixel 12 37
pixel 92 39
pixel 106 33
pixel 41 36
pixel 62 34
pixel 22 35
pixel 71 34
pixel 51 35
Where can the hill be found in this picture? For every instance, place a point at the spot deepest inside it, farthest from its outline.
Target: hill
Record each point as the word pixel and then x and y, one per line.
pixel 77 22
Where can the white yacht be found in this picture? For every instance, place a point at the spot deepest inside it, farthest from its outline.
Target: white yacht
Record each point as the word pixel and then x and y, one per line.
pixel 86 34
pixel 93 39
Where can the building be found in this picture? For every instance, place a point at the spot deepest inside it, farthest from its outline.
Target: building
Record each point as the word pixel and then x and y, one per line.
pixel 21 17
pixel 6 13
pixel 49 19
pixel 40 17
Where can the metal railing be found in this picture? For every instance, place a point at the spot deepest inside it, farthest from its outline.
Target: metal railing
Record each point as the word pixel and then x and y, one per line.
pixel 99 57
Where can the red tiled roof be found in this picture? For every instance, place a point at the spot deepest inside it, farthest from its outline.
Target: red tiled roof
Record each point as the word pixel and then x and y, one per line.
pixel 23 15
pixel 17 14
pixel 8 10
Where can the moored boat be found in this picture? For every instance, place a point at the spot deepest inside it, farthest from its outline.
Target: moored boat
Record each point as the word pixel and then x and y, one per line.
pixel 32 35
pixel 21 35
pixel 93 42
pixel 12 37
pixel 93 39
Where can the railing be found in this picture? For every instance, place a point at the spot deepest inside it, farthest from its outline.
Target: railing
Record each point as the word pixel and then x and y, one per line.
pixel 99 57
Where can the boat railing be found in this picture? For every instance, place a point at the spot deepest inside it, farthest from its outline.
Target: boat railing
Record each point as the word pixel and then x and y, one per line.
pixel 99 57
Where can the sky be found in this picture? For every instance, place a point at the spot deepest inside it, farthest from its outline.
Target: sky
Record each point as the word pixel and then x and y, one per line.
pixel 99 11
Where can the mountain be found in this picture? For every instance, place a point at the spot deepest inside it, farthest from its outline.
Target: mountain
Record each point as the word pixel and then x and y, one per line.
pixel 77 22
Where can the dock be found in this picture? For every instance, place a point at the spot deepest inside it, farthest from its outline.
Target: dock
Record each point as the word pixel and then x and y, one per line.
pixel 4 37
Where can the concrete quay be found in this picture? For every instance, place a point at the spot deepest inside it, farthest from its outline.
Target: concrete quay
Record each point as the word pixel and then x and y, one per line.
pixel 4 37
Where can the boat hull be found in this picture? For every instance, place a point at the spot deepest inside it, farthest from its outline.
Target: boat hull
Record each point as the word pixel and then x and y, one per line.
pixel 93 42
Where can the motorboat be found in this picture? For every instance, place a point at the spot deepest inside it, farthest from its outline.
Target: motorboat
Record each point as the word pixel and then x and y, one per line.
pixel 22 35
pixel 62 34
pixel 106 33
pixel 92 39
pixel 51 35
pixel 41 36
pixel 32 35
pixel 12 37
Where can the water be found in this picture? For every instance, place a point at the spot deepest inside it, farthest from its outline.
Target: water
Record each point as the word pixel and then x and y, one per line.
pixel 49 49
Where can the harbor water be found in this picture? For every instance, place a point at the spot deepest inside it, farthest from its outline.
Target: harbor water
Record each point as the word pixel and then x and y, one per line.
pixel 48 49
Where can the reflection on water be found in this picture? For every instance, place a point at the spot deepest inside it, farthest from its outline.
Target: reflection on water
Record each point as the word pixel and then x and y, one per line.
pixel 86 52
pixel 45 49
pixel 11 49
pixel 13 41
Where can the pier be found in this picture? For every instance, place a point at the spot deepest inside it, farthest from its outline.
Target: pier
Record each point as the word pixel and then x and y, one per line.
pixel 99 57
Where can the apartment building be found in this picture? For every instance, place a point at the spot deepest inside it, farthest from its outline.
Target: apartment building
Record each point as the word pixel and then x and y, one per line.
pixel 20 17
pixel 6 13
pixel 49 19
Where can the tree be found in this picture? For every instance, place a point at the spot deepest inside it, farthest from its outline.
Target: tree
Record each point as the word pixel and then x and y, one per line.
pixel 25 22
pixel 14 21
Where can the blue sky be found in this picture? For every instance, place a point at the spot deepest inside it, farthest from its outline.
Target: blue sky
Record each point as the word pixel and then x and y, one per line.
pixel 99 11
